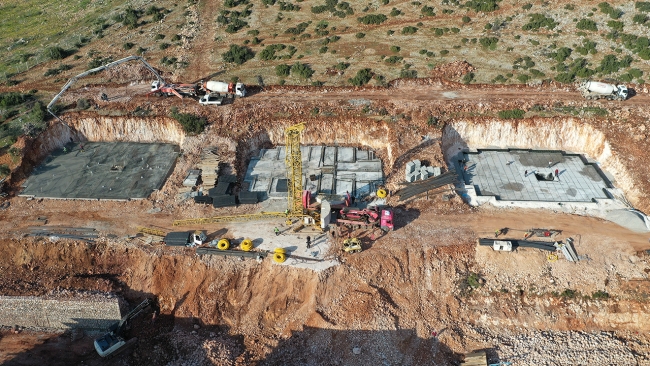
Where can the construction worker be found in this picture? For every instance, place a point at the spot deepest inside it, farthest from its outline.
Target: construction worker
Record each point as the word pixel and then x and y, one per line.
pixel 65 149
pixel 308 242
pixel 497 233
pixel 277 231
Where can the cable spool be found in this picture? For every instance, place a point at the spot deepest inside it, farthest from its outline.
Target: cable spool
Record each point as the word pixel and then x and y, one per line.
pixel 247 245
pixel 280 250
pixel 223 244
pixel 552 257
pixel 279 257
pixel 382 193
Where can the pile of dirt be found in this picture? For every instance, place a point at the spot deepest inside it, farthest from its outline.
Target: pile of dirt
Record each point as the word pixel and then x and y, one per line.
pixel 452 70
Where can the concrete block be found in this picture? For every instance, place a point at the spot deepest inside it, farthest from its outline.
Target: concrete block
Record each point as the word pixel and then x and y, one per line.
pixel 417 163
pixel 410 167
pixel 436 171
pixel 410 177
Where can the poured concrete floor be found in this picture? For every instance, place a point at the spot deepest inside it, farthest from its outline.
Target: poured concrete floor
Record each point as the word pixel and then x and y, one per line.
pixel 103 170
pixel 501 173
pixel 327 170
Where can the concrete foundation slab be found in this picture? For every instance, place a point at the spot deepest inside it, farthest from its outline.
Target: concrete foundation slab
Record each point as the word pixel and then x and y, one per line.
pixel 327 170
pixel 102 170
pixel 509 175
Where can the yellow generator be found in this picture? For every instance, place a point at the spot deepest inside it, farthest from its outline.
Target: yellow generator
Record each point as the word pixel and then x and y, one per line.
pixel 352 245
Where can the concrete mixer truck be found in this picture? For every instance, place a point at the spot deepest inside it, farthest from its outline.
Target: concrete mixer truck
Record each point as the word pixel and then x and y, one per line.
pixel 237 89
pixel 598 90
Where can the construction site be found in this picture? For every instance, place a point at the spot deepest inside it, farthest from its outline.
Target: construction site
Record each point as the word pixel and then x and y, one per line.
pixel 303 227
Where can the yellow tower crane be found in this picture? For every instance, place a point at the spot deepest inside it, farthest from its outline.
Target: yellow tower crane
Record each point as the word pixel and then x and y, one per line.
pixel 293 160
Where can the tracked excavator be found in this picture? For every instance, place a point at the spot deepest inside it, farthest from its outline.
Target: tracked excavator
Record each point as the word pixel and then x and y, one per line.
pixel 114 341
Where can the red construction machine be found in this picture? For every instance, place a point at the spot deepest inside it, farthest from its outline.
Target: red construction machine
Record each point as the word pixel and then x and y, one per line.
pixel 366 218
pixel 179 90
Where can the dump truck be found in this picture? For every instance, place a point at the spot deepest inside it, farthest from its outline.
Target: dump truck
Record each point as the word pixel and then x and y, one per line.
pixel 114 341
pixel 185 238
pixel 237 89
pixel 597 90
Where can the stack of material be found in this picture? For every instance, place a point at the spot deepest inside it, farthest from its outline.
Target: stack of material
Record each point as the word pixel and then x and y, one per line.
pixel 248 197
pixel 203 199
pixel 221 189
pixel 228 178
pixel 223 201
pixel 416 171
pixel 209 166
pixel 192 178
pixel 417 188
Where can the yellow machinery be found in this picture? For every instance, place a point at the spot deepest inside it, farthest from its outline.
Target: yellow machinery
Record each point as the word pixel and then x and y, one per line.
pixel 293 160
pixel 352 245
pixel 151 231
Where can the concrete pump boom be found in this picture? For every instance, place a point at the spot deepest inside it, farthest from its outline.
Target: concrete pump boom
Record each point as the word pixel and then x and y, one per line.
pixel 97 69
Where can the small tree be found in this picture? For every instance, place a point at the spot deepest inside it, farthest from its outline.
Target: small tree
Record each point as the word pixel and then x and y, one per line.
pixel 4 170
pixel 302 70
pixel 282 70
pixel 237 54
pixel 363 77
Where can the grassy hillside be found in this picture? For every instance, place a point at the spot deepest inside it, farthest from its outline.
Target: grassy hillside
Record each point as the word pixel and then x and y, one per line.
pixel 333 42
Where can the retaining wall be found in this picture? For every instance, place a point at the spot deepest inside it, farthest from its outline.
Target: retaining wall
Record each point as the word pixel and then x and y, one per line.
pixel 47 313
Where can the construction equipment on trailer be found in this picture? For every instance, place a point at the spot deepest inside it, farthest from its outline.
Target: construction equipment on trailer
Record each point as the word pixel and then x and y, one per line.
pixel 114 341
pixel 366 218
pixel 185 238
pixel 98 69
pixel 237 89
pixel 543 233
pixel 179 90
pixel 352 245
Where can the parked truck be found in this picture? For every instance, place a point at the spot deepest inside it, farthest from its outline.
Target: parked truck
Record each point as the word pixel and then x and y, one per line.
pixel 185 238
pixel 597 90
pixel 237 89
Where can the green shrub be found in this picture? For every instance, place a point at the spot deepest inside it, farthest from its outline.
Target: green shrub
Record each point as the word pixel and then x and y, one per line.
pixel 159 37
pixel 610 64
pixel 485 6
pixel 587 24
pixel 608 9
pixel 489 42
pixel 129 18
pixel 444 52
pixel 512 114
pixel 588 47
pixel 372 19
pixel 473 280
pixel 616 25
pixel 56 53
pixel 569 294
pixel 640 18
pixel 468 78
pixel 570 7
pixel 164 46
pixel 127 46
pixel 282 70
pixel 360 35
pixel 527 6
pixel 600 295
pixel 268 53
pixel 83 103
pixel 408 74
pixel 428 11
pixel 523 78
pixel 393 59
pixel 341 66
pixel 643 6
pixel 302 70
pixel 636 73
pixel 362 78
pixel 561 54
pixel 538 21
pixel 395 12
pixel 395 49
pixel 237 54
pixel 297 29
pixel 190 122
pixel 455 30
pixel 4 170
pixel 11 99
pixel 409 30
pixel 466 19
